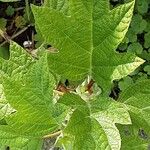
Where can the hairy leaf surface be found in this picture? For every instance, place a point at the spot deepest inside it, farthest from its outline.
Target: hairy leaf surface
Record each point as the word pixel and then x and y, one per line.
pixel 29 96
pixel 87 39
pixel 137 99
pixel 5 108
pixel 61 5
pixel 19 62
pixel 27 85
pixel 95 120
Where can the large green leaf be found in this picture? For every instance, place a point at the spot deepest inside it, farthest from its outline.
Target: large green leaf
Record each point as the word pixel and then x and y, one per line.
pixel 32 96
pixel 87 39
pixel 108 113
pixel 92 125
pixel 27 86
pixel 137 100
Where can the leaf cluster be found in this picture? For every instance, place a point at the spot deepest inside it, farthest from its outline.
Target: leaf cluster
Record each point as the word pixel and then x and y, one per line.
pixel 84 35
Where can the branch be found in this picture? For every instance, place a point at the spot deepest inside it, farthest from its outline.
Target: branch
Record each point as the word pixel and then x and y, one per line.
pixel 14 36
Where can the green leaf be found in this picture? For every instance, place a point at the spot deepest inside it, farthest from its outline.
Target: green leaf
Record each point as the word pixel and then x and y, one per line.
pixel 76 128
pixel 29 90
pixel 12 140
pixel 99 136
pixel 145 55
pixel 137 100
pixel 61 5
pixel 10 10
pixel 3 23
pixel 135 48
pixel 95 120
pixel 147 69
pixel 19 62
pixel 138 24
pixel 131 138
pixel 4 52
pixel 87 40
pixel 29 96
pixel 142 6
pixel 5 108
pixel 108 113
pixel 147 40
pixel 131 35
pixel 28 17
pixel 147 29
pixel 126 82
pixel 123 46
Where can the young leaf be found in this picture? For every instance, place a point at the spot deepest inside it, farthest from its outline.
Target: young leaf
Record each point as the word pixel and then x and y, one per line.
pixel 135 48
pixel 138 24
pixel 142 6
pixel 87 40
pixel 147 41
pixel 10 10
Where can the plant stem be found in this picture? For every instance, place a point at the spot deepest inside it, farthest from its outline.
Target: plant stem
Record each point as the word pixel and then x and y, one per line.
pixel 52 135
pixel 14 36
pixel 4 35
pixel 27 9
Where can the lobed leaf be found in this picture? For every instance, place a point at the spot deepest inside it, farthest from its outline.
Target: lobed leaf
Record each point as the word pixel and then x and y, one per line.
pixel 137 100
pixel 87 39
pixel 95 120
pixel 29 96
